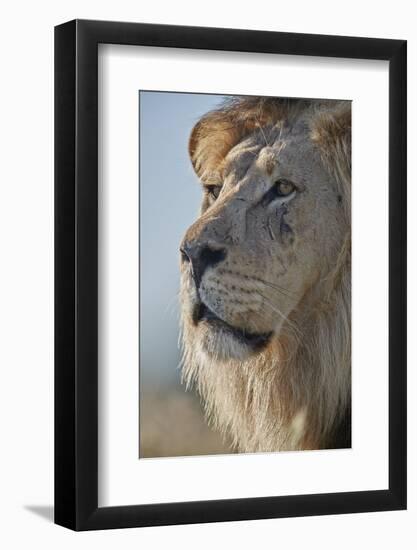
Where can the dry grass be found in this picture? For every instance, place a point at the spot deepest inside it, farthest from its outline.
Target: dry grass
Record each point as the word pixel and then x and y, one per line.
pixel 172 424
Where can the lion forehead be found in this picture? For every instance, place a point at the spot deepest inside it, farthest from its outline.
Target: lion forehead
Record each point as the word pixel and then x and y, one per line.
pixel 240 159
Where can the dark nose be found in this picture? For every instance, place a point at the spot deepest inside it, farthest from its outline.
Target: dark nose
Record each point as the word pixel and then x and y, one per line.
pixel 201 256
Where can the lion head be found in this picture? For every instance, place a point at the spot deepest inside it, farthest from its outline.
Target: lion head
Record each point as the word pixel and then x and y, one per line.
pixel 265 273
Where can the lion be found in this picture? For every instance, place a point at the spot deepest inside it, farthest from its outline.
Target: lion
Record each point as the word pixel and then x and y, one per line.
pixel 265 273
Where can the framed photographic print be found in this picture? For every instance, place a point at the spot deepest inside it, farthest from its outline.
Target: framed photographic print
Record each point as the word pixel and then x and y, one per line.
pixel 230 252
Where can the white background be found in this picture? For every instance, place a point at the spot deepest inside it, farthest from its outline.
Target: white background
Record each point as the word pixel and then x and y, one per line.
pixel 123 479
pixel 26 179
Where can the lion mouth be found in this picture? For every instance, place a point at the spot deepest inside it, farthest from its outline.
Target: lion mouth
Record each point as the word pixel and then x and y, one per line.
pixel 256 341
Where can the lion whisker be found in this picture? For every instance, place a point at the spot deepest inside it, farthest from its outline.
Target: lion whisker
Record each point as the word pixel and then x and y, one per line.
pixel 169 307
pixel 285 292
pixel 263 134
pixel 277 310
pixel 282 289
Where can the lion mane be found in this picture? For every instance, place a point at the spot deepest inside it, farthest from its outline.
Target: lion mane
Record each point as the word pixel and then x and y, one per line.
pixel 296 393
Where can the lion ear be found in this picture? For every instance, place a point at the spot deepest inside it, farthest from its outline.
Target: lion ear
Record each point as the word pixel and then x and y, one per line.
pixel 331 132
pixel 193 145
pixel 210 141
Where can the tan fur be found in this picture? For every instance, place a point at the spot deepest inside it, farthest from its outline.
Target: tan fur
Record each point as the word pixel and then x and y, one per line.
pixel 287 271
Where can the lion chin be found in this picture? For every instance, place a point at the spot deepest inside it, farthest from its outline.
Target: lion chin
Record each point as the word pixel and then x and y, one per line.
pixel 223 341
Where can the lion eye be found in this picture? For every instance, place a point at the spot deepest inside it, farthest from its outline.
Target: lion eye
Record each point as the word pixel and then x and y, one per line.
pixel 284 187
pixel 213 191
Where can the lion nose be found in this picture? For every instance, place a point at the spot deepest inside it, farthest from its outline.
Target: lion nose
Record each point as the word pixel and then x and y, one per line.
pixel 201 256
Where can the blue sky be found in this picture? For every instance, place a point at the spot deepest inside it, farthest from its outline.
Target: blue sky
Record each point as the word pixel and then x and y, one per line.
pixel 169 202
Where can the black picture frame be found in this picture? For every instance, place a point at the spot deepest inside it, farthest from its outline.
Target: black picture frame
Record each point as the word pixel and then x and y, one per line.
pixel 76 272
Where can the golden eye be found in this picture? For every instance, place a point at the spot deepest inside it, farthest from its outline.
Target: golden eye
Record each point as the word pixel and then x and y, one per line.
pixel 284 187
pixel 213 191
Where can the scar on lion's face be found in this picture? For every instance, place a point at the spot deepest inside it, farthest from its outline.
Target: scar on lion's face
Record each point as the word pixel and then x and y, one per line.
pixel 268 230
